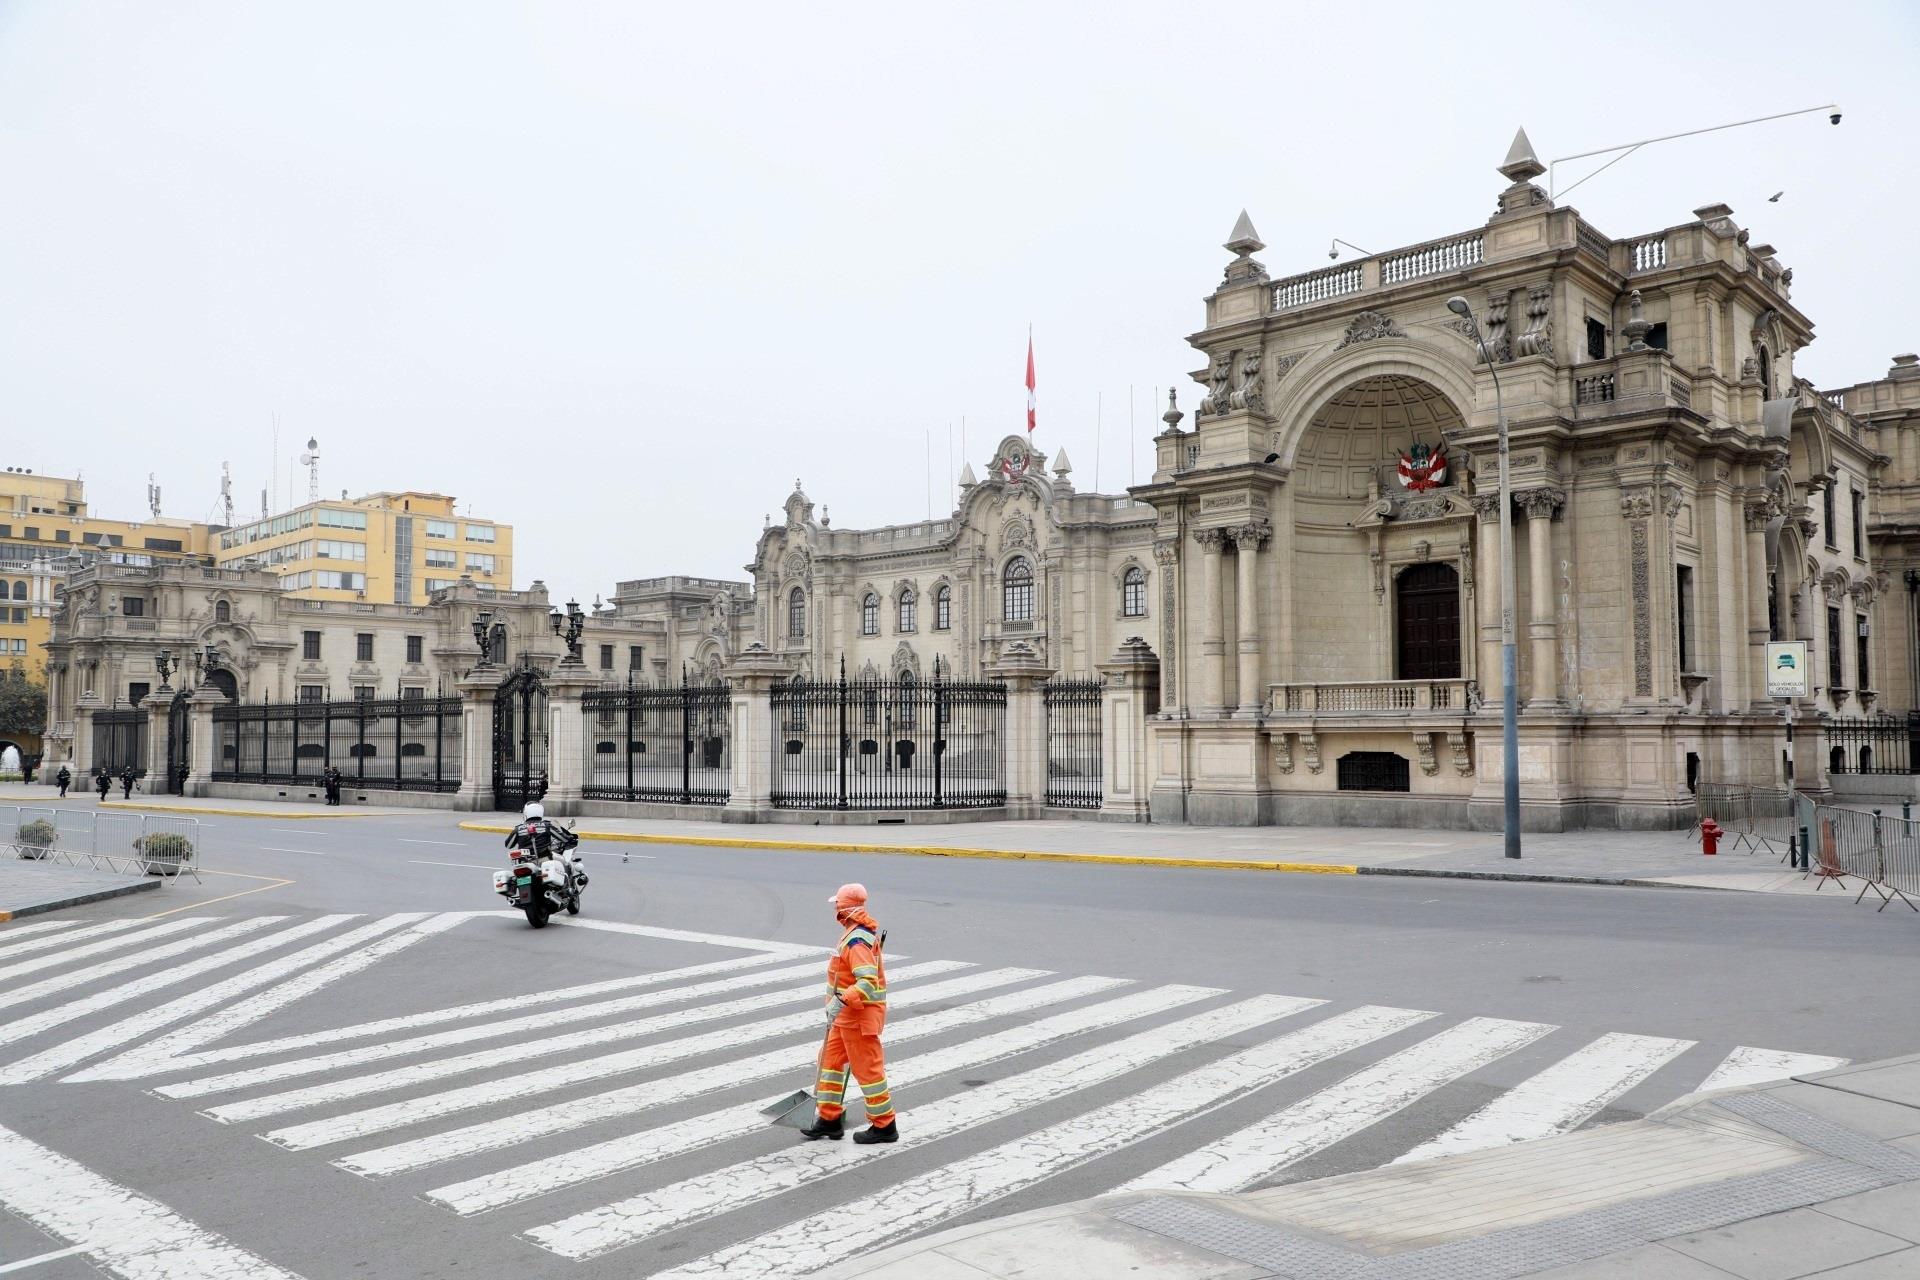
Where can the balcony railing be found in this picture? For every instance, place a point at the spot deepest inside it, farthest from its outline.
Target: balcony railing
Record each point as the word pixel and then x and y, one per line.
pixel 1389 697
pixel 1649 254
pixel 1316 286
pixel 1432 259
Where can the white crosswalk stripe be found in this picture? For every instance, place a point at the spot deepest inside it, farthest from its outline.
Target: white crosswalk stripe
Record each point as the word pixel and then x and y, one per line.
pixel 12 933
pixel 1200 1082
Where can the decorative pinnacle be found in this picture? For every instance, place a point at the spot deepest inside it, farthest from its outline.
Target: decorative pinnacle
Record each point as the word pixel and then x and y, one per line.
pixel 1173 415
pixel 1244 239
pixel 1521 164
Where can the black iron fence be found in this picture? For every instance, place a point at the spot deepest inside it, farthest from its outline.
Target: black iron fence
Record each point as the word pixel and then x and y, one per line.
pixel 389 744
pixel 119 740
pixel 889 744
pixel 1073 743
pixel 1873 744
pixel 666 744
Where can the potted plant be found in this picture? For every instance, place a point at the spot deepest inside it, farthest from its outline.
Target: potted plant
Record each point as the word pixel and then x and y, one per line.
pixel 163 851
pixel 35 838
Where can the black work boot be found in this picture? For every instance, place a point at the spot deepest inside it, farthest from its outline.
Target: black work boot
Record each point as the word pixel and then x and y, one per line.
pixel 825 1129
pixel 874 1133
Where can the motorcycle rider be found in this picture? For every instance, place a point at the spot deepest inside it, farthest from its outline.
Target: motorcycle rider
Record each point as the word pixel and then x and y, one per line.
pixel 547 839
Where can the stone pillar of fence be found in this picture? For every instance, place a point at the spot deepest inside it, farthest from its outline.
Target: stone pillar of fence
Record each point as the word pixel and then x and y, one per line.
pixel 158 706
pixel 202 742
pixel 477 690
pixel 1132 694
pixel 1024 750
pixel 88 703
pixel 753 748
pixel 567 735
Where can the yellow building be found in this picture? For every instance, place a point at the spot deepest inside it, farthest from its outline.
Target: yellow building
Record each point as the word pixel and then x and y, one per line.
pixel 44 522
pixel 385 548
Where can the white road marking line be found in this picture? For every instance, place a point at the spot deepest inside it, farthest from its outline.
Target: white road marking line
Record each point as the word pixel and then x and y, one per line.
pixel 11 932
pixel 358 1086
pixel 146 959
pixel 1748 1065
pixel 534 1022
pixel 271 848
pixel 470 866
pixel 681 935
pixel 633 1150
pixel 811 1244
pixel 505 1004
pixel 487 1094
pixel 1341 1110
pixel 157 1055
pixel 73 1052
pixel 1559 1099
pixel 436 1148
pixel 42 1259
pixel 598 1231
pixel 305 831
pixel 148 933
pixel 124 1232
pixel 451 844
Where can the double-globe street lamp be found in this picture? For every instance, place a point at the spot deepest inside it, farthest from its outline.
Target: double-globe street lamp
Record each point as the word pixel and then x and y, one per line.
pixel 1509 730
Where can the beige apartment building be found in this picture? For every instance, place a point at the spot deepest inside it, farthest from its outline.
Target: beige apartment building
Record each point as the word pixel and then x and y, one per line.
pixel 384 548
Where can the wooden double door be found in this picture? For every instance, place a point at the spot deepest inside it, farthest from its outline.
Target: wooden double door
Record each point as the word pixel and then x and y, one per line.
pixel 1427 630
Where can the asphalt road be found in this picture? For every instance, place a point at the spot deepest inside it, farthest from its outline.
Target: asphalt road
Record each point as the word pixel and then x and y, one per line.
pixel 1517 976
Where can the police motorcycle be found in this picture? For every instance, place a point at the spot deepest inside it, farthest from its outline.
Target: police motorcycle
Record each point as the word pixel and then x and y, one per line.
pixel 546 877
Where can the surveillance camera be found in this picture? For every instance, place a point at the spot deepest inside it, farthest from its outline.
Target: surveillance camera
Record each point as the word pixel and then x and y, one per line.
pixel 1333 253
pixel 1834 118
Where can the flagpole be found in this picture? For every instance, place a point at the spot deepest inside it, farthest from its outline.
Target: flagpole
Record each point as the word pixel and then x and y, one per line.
pixel 1133 431
pixel 1099 416
pixel 929 431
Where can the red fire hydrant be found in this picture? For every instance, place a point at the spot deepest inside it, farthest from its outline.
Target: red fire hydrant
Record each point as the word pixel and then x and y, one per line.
pixel 1710 833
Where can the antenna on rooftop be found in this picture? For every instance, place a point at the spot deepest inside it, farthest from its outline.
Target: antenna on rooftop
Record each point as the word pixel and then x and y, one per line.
pixel 226 493
pixel 153 496
pixel 311 461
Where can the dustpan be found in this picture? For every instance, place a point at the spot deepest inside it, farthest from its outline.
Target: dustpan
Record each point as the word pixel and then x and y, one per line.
pixel 797 1111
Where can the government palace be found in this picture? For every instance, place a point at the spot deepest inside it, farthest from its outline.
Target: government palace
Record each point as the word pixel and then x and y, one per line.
pixel 1306 591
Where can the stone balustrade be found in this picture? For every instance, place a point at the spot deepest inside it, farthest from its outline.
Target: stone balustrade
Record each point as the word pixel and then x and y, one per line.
pixel 1388 697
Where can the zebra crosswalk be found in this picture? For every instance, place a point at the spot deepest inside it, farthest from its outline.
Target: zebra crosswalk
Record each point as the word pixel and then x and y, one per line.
pixel 649 1142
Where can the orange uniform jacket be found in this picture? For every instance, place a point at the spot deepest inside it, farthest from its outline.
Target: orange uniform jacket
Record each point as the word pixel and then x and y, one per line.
pixel 857 974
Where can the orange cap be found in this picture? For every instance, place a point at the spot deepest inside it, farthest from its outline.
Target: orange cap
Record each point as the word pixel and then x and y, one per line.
pixel 849 896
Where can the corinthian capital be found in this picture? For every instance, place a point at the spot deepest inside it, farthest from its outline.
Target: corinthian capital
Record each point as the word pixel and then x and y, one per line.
pixel 1486 505
pixel 1543 503
pixel 1251 536
pixel 1211 539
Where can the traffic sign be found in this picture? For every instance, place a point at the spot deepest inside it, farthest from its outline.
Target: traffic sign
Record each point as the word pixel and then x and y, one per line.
pixel 1787 669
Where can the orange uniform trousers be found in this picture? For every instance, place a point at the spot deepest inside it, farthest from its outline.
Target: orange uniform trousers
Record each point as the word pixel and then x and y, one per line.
pixel 852 1047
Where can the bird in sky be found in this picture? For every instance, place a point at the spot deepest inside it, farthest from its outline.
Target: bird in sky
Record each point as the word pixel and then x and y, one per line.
pixel 1775 197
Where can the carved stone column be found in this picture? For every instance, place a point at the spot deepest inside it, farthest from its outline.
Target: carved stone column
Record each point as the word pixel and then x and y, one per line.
pixel 1636 508
pixel 1167 556
pixel 1758 512
pixel 1541 505
pixel 1213 642
pixel 1249 538
pixel 1486 587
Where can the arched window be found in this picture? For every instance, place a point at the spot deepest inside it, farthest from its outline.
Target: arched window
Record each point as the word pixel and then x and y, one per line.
pixel 943 608
pixel 19 591
pixel 907 694
pixel 870 614
pixel 1016 591
pixel 797 615
pixel 1766 375
pixel 1133 592
pixel 222 611
pixel 908 608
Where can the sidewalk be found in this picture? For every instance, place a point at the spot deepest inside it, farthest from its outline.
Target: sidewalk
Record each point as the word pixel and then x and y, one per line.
pixel 31 887
pixel 1816 1176
pixel 1649 858
pixel 34 794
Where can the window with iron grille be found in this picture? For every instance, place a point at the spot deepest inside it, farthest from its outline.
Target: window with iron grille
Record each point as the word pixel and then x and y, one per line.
pixel 907 609
pixel 1016 591
pixel 870 615
pixel 1133 592
pixel 363 646
pixel 416 647
pixel 310 646
pixel 1836 678
pixel 1373 771
pixel 797 615
pixel 943 609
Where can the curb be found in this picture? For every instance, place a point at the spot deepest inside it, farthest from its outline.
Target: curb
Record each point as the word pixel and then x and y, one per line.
pixel 234 813
pixel 1111 859
pixel 98 895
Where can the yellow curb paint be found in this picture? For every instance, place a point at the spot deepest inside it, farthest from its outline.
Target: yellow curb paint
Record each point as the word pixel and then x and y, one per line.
pixel 236 813
pixel 5 916
pixel 947 851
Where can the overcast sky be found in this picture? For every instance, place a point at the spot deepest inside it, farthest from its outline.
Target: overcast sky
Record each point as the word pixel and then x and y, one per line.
pixel 618 273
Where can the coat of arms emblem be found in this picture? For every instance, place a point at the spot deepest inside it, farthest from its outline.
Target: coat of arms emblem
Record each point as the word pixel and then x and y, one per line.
pixel 1013 464
pixel 1423 467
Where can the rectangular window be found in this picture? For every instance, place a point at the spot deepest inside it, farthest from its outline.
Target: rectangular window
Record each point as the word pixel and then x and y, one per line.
pixel 1596 339
pixel 606 657
pixel 942 609
pixel 335 580
pixel 1657 336
pixel 1683 592
pixel 331 519
pixel 363 646
pixel 133 606
pixel 33 534
pixel 440 529
pixel 479 563
pixel 416 646
pixel 634 654
pixel 1862 638
pixel 414 693
pixel 161 544
pixel 19 615
pixel 480 533
pixel 439 584
pixel 62 535
pixel 332 549
pixel 6 531
pixel 442 558
pixel 1836 676
pixel 313 693
pixel 137 692
pixel 1828 524
pixel 310 646
pixel 363 693
pixel 1859 524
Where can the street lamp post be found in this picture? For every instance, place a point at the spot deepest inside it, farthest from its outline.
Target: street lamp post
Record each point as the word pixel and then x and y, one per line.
pixel 1509 709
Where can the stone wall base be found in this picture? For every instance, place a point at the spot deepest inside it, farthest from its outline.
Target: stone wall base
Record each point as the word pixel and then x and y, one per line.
pixel 350 797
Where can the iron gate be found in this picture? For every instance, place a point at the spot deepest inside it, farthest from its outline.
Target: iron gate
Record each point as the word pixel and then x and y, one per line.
pixel 520 738
pixel 119 740
pixel 1073 744
pixel 668 744
pixel 179 747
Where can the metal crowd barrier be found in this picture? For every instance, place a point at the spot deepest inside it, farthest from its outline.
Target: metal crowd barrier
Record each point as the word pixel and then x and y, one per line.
pixel 1753 818
pixel 128 843
pixel 1882 853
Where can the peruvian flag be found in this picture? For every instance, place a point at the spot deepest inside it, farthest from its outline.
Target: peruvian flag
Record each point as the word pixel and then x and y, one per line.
pixel 1030 399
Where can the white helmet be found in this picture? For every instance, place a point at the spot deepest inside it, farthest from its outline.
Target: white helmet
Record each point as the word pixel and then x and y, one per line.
pixel 532 811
